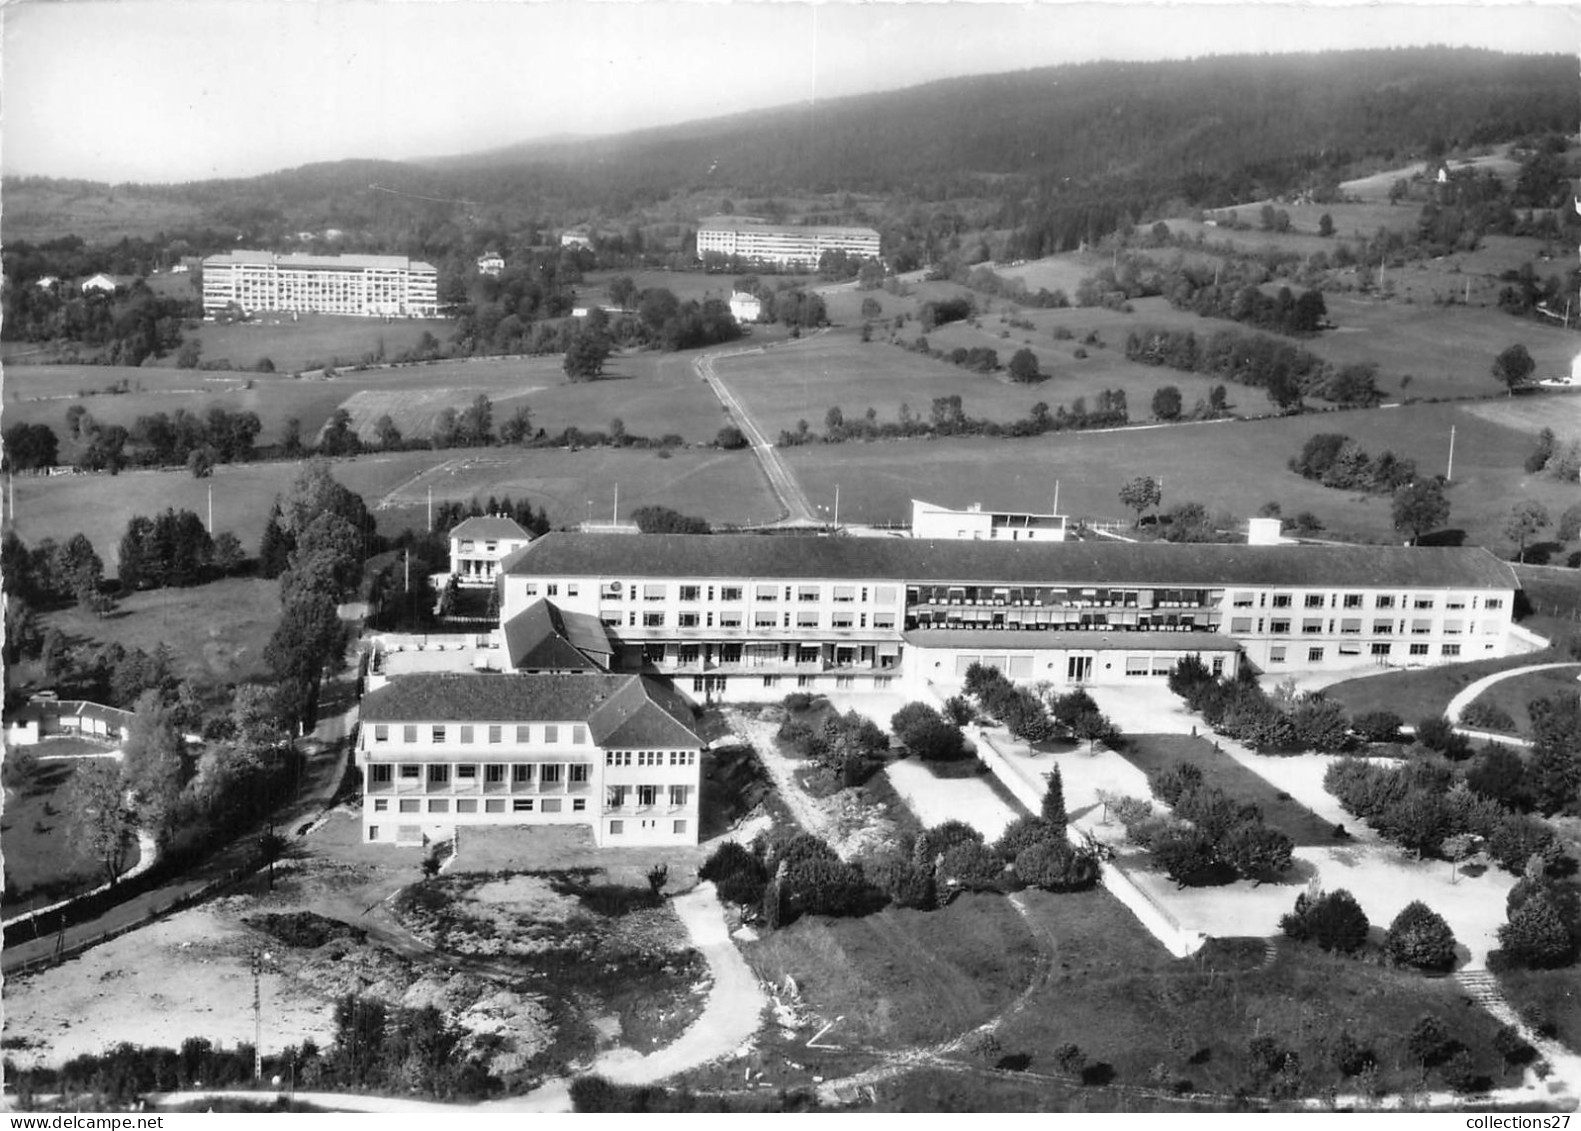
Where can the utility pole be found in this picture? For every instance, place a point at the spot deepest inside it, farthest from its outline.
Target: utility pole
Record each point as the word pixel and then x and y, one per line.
pixel 258 958
pixel 614 517
pixel 211 510
pixel 1450 472
pixel 837 506
pixel 1056 496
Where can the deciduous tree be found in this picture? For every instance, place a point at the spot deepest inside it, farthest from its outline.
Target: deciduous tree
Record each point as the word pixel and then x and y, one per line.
pixel 1420 507
pixel 1512 367
pixel 99 824
pixel 1526 519
pixel 1140 494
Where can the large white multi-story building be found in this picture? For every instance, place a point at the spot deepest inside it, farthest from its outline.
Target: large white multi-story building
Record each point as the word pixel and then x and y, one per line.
pixel 616 753
pixel 784 246
pixel 370 285
pixel 749 616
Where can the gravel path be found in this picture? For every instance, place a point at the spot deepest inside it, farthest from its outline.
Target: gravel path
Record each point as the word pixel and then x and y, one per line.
pixel 1468 695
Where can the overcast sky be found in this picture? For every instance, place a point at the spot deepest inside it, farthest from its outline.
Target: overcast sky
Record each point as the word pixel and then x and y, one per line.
pixel 173 90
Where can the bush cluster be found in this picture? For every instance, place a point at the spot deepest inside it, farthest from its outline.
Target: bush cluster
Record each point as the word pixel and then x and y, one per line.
pixel 1337 461
pixel 1420 804
pixel 1333 920
pixel 1220 830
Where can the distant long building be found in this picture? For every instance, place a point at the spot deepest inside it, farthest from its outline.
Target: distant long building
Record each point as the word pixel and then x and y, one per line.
pixel 785 246
pixel 370 285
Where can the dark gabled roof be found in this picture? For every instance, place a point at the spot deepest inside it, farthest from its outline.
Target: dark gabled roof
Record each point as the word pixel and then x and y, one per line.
pixel 749 556
pixel 1000 640
pixel 545 637
pixel 620 710
pixel 643 713
pixel 489 526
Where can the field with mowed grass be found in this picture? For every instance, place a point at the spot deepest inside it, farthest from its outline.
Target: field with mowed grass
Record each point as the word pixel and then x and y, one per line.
pixel 310 339
pixel 40 865
pixel 1234 467
pixel 215 632
pixel 1514 694
pixel 804 379
pixel 571 486
pixel 1422 693
pixel 652 393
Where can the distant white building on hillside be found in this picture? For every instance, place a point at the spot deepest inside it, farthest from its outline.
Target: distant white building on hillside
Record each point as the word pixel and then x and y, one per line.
pixel 369 285
pixel 930 521
pixel 745 307
pixel 491 263
pixel 783 245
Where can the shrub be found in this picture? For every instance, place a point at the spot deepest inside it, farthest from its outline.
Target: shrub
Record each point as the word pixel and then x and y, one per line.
pixel 1428 1042
pixel 934 842
pixel 1169 784
pixel 1183 854
pixel 1518 838
pixel 1487 716
pixel 1419 937
pixel 1439 734
pixel 1023 833
pixel 1536 934
pixel 1350 1056
pixel 1378 726
pixel 903 882
pixel 798 701
pixel 1320 724
pixel 937 741
pixel 1069 1058
pixel 958 710
pixel 1332 920
pixel 736 872
pixel 825 885
pixel 1056 866
pixel 973 866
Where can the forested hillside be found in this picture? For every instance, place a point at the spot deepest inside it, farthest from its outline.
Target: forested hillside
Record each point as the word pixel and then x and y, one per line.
pixel 1056 154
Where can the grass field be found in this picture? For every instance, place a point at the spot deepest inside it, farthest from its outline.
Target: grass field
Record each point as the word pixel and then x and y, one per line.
pixel 1123 1000
pixel 803 380
pixel 1424 692
pixel 653 393
pixel 1232 467
pixel 312 338
pixel 40 866
pixel 903 977
pixel 723 487
pixel 216 632
pixel 1150 752
pixel 1547 997
pixel 1516 692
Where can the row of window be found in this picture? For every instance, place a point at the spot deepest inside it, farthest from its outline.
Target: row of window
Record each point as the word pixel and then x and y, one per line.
pixel 650 757
pixel 1244 600
pixel 470 805
pixel 763 594
pixel 493 773
pixel 1054 595
pixel 549 734
pixel 1350 626
pixel 760 619
pixel 1379 649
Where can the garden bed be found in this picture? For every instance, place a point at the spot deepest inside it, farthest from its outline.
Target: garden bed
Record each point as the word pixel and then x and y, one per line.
pixel 1281 812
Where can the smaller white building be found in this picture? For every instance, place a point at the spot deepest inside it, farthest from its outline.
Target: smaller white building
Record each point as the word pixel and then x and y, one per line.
pixel 101 282
pixel 491 263
pixel 974 523
pixel 745 307
pixel 479 544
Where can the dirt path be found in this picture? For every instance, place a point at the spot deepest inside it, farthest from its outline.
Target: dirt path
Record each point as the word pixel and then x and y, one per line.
pixel 760 735
pixel 797 511
pixel 733 1012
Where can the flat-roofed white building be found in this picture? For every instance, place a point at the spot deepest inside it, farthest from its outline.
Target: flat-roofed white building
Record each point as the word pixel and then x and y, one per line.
pixel 368 285
pixel 973 522
pixel 613 752
pixel 782 245
pixel 749 616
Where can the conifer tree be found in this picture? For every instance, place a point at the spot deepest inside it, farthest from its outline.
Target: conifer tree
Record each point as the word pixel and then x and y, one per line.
pixel 1054 802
